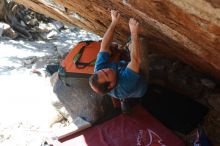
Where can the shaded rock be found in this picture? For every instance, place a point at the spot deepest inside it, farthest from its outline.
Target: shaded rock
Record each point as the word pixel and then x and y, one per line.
pixel 179 76
pixel 214 101
pixel 80 101
pixel 188 30
pixel 208 83
pixel 30 60
pixel 6 30
pixel 212 127
pixel 56 102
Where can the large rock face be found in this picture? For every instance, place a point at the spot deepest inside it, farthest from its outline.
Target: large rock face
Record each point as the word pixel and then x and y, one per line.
pixel 189 30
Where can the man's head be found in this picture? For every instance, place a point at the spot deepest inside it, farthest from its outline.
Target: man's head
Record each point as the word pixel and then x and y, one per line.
pixel 103 81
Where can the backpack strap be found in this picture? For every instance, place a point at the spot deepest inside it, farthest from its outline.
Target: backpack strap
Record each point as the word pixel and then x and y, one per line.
pixel 65 77
pixel 77 57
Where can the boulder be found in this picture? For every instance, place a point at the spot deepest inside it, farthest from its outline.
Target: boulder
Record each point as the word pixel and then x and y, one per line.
pixel 80 101
pixel 188 30
pixel 6 30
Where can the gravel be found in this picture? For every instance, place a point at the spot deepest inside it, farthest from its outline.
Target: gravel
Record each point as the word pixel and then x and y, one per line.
pixel 27 114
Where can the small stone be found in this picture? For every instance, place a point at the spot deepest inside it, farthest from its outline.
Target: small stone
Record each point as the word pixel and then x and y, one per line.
pixel 33 22
pixel 56 25
pixel 43 27
pixel 27 18
pixel 10 33
pixel 37 72
pixel 52 34
pixel 208 83
pixel 30 60
pixel 6 30
pixel 23 24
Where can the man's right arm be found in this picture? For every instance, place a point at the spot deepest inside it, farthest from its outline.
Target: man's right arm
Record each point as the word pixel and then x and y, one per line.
pixel 134 64
pixel 108 36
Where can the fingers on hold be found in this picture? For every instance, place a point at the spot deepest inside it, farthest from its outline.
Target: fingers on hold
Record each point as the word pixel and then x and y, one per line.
pixel 113 12
pixel 133 21
pixel 118 14
pixel 130 21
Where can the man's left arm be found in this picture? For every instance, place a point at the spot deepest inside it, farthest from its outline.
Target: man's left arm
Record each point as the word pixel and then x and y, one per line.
pixel 134 64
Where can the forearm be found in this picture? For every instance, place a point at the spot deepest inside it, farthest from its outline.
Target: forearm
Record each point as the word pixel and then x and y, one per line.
pixel 108 37
pixel 135 42
pixel 135 51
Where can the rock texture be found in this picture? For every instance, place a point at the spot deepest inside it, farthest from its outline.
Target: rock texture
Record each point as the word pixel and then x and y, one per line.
pixel 189 30
pixel 80 101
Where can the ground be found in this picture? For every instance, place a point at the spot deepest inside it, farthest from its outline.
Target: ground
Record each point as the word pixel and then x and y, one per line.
pixel 27 115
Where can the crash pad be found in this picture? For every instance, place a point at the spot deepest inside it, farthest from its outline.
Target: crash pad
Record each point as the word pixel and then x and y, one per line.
pixel 136 129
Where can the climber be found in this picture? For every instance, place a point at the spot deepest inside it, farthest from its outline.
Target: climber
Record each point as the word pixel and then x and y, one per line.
pixel 122 79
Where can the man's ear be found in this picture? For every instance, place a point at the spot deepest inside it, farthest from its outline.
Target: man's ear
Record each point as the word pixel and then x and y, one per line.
pixel 110 86
pixel 94 89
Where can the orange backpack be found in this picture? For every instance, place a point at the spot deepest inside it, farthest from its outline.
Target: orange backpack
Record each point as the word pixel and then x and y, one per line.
pixel 80 61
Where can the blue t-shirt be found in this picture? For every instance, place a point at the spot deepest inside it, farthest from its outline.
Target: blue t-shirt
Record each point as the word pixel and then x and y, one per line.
pixel 129 83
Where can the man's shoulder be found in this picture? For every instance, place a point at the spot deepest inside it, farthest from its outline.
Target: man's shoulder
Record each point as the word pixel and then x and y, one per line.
pixel 103 62
pixel 103 53
pixel 129 73
pixel 130 84
pixel 102 56
pixel 127 79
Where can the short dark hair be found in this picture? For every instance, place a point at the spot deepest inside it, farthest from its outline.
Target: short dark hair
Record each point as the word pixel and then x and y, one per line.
pixel 101 87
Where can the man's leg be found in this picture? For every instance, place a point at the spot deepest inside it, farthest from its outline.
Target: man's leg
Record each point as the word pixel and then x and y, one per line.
pixel 125 107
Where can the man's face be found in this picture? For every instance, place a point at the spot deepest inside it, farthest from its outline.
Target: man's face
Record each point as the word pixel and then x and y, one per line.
pixel 107 75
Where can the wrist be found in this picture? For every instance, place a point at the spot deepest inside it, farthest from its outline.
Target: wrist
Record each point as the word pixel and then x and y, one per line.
pixel 134 34
pixel 113 25
pixel 114 22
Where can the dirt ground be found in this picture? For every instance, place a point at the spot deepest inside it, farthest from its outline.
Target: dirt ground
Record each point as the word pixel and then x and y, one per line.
pixel 27 115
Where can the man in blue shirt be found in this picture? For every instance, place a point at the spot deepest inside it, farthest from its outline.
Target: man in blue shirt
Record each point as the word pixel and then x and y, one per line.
pixel 122 79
